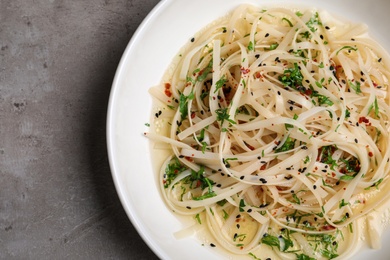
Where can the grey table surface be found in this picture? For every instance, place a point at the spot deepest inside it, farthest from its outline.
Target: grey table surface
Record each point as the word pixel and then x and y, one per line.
pixel 57 62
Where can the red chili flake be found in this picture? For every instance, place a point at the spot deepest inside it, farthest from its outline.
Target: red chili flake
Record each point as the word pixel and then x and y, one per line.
pixel 363 120
pixel 189 159
pixel 370 154
pixel 308 92
pixel 167 85
pixel 168 93
pixel 262 168
pixel 328 227
pixel 258 75
pixel 245 70
pixel 249 146
pixel 192 115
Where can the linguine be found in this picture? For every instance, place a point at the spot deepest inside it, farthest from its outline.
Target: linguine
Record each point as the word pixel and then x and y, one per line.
pixel 277 121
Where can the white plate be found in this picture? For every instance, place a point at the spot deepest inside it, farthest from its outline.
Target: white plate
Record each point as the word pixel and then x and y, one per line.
pixel 163 32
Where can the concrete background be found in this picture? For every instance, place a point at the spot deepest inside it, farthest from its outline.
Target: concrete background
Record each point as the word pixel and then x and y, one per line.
pixel 57 62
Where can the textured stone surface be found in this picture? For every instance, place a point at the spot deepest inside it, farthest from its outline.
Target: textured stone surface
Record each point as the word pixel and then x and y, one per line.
pixel 57 62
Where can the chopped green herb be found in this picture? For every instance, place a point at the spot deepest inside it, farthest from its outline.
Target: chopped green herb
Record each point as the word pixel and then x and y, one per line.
pixel 313 21
pixel 304 257
pixel 288 21
pixel 296 199
pixel 183 104
pixel 242 205
pixel 251 46
pixel 287 145
pixel 172 170
pixel 197 217
pixel 349 48
pixel 376 184
pixel 219 84
pixel 292 77
pixel 203 73
pixel 376 108
pixel 273 46
pixel 355 87
pixel 223 115
pixel 225 214
pixel 205 196
pixel 254 257
pixel 343 204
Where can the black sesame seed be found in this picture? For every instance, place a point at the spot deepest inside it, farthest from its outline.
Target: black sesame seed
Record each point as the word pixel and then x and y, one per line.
pixel 249 210
pixel 242 177
pixel 181 156
pixel 327 27
pixel 238 216
pixel 291 108
pixel 380 59
pixel 238 226
pixel 212 245
pixel 314 186
pixel 257 56
pixel 279 93
pixel 356 140
pixel 219 185
pixel 267 34
pixel 188 207
pixel 192 39
pixel 263 180
pixel 322 37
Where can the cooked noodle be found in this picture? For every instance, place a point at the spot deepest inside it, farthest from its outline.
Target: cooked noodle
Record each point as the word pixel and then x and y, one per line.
pixel 278 126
